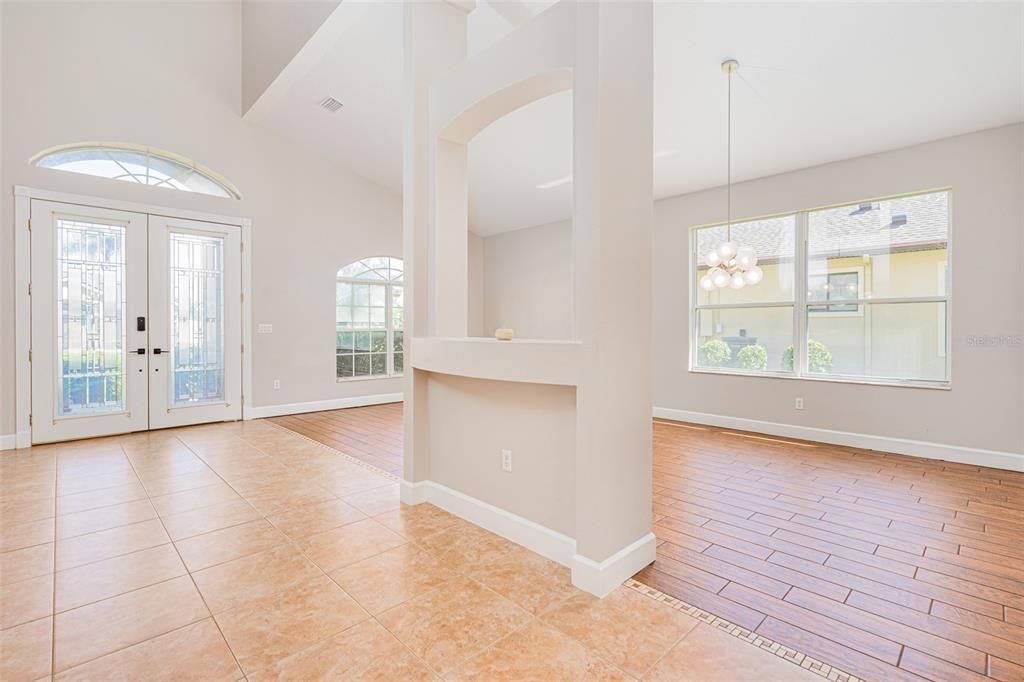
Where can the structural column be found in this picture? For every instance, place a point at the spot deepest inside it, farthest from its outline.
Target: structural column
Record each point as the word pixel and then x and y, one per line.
pixel 598 519
pixel 434 42
pixel 613 120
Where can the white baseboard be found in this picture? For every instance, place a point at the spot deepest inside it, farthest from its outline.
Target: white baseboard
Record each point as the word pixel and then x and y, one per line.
pixel 902 446
pixel 522 531
pixel 261 411
pixel 601 578
pixel 11 441
pixel 413 493
pixel 596 578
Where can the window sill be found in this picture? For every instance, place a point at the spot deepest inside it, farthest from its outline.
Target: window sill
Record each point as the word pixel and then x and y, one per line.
pixel 345 380
pixel 897 383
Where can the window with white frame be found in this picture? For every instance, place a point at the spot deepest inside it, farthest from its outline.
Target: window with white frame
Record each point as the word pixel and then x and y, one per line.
pixel 868 308
pixel 369 302
pixel 134 163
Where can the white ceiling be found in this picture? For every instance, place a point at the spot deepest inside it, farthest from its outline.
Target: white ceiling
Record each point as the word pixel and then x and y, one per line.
pixel 818 82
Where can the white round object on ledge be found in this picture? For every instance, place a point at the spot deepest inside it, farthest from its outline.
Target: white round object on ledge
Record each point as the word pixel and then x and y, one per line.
pixel 504 334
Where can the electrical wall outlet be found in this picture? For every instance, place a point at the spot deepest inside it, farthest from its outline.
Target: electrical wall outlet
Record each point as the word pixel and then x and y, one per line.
pixel 277 384
pixel 799 403
pixel 506 460
pixel 265 328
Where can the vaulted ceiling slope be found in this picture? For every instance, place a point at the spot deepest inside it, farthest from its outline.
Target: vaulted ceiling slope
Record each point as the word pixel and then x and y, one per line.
pixel 819 82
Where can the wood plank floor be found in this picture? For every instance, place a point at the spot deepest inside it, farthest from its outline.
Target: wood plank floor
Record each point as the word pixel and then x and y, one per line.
pixel 888 567
pixel 371 434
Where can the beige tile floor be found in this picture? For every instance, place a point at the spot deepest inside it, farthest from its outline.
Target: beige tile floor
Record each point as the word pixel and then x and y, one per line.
pixel 246 551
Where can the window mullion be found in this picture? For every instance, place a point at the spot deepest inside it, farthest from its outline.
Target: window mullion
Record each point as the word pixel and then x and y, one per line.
pixel 800 295
pixel 751 304
pixel 694 298
pixel 892 299
pixel 389 335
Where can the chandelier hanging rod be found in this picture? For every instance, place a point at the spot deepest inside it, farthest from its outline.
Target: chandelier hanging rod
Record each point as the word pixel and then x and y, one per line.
pixel 731 265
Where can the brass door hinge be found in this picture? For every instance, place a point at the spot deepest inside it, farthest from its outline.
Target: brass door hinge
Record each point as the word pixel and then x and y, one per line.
pixel 30 355
pixel 30 288
pixel 29 224
pixel 30 420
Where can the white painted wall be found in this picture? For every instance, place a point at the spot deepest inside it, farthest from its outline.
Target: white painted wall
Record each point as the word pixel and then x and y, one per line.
pixel 534 421
pixel 167 74
pixel 6 283
pixel 984 407
pixel 527 281
pixel 273 31
pixel 476 287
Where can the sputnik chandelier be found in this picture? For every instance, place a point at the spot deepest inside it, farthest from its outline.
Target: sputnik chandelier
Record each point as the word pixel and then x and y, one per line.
pixel 731 265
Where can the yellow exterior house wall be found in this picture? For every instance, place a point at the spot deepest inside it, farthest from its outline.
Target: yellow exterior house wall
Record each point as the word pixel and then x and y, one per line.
pixel 904 340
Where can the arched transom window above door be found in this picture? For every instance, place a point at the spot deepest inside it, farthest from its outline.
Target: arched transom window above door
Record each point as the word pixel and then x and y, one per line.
pixel 369 319
pixel 133 163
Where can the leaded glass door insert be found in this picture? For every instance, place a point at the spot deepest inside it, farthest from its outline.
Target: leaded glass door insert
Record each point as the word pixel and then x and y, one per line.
pixel 91 325
pixel 197 318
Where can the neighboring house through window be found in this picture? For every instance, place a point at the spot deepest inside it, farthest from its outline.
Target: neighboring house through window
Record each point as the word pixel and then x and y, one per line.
pixel 369 304
pixel 832 287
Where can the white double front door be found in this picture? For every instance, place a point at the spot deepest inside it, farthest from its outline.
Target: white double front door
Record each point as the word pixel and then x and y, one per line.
pixel 136 322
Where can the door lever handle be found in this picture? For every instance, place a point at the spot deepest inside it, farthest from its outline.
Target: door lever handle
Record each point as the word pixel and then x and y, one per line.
pixel 157 351
pixel 141 351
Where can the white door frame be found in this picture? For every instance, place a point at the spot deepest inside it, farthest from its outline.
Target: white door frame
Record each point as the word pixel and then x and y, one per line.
pixel 23 302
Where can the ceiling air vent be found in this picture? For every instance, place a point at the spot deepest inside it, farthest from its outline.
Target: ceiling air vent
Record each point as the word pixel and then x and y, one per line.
pixel 330 104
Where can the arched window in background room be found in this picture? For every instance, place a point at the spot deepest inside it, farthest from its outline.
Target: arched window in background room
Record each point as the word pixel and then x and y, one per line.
pixel 369 319
pixel 132 163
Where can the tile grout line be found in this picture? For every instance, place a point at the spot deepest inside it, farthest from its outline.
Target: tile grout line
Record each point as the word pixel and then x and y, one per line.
pixel 182 560
pixel 289 540
pixel 370 615
pixel 53 596
pixel 299 550
pixel 143 549
pixel 129 646
pixel 410 541
pixel 344 455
